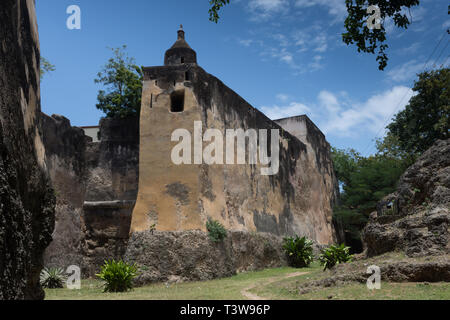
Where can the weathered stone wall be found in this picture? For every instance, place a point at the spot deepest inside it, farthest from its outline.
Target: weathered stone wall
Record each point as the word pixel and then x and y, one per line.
pixel 192 256
pixel 113 163
pixel 111 191
pixel 317 147
pixel 65 148
pixel 106 228
pixel 297 200
pixel 96 187
pixel 27 200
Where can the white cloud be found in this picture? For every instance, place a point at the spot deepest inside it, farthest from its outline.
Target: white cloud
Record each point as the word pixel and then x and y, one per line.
pixel 371 115
pixel 415 15
pixel 283 54
pixel 282 39
pixel 337 115
pixel 263 9
pixel 290 110
pixel 245 42
pixel 406 71
pixel 329 101
pixel 336 8
pixel 312 38
pixel 316 63
pixel 413 48
pixel 282 97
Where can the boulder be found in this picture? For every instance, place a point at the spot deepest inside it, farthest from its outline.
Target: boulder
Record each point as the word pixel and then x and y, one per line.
pixel 416 218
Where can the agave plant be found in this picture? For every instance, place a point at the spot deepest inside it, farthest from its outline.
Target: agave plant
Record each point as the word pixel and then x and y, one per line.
pixel 299 251
pixel 52 278
pixel 118 275
pixel 333 255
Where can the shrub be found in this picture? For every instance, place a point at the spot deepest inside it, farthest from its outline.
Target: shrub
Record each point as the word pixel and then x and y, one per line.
pixel 333 255
pixel 299 251
pixel 216 230
pixel 52 278
pixel 118 276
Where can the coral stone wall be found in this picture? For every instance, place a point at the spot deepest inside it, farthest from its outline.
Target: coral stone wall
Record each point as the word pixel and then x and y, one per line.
pixel 65 148
pixel 297 200
pixel 111 190
pixel 95 185
pixel 26 198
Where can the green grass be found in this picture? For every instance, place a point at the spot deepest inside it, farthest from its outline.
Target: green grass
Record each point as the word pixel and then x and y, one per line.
pixel 388 291
pixel 220 289
pixel 270 283
pixel 286 289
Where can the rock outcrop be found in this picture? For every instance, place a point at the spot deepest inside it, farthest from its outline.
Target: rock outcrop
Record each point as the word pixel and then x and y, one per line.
pixel 191 255
pixel 416 218
pixel 393 268
pixel 26 198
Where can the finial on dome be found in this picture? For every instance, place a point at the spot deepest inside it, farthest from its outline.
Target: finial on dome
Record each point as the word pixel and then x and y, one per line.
pixel 181 32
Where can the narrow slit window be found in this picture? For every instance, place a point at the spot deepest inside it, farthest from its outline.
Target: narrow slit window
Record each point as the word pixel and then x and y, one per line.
pixel 177 101
pixel 151 100
pixel 186 76
pixel 182 59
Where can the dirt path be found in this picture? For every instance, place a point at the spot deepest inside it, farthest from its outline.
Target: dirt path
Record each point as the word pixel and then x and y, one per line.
pixel 251 296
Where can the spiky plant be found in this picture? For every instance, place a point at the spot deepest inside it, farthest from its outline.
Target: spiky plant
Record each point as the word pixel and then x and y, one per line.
pixel 53 278
pixel 118 275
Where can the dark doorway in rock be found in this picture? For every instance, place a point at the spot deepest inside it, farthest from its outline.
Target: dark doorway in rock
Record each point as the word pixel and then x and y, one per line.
pixel 177 101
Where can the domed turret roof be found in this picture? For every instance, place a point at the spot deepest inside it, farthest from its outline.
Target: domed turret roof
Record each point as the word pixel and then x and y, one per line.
pixel 180 52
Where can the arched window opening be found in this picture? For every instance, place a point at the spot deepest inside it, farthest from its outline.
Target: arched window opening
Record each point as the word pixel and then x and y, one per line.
pixel 177 101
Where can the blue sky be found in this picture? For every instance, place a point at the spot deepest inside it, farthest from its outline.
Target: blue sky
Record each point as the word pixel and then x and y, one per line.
pixel 285 57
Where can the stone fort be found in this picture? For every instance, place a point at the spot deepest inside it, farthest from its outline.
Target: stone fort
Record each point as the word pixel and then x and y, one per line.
pixel 121 180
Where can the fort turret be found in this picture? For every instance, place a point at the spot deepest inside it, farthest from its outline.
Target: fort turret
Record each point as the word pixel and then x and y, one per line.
pixel 180 52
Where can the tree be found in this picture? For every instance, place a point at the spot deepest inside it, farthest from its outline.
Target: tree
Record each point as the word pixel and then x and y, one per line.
pixel 357 33
pixel 389 146
pixel 368 40
pixel 216 5
pixel 46 67
pixel 345 162
pixel 364 182
pixel 123 79
pixel 425 119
